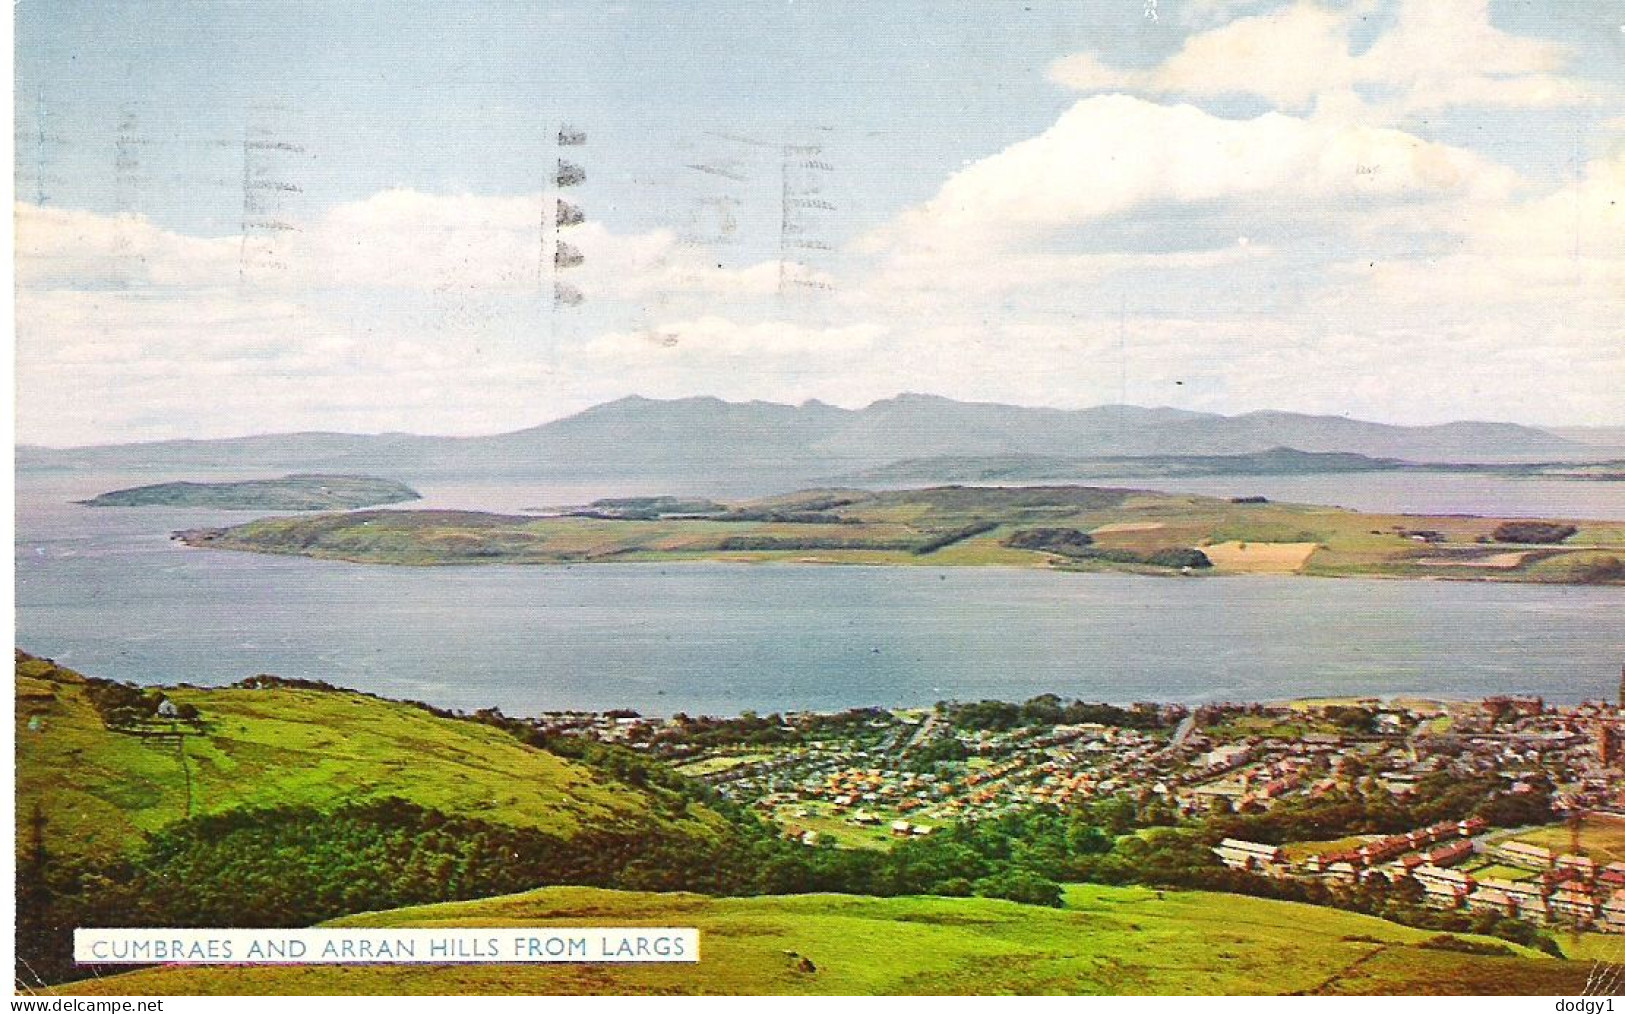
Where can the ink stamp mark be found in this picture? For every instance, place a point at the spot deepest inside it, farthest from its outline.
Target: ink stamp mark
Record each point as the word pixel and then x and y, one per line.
pixel 804 213
pixel 269 194
pixel 128 186
pixel 555 254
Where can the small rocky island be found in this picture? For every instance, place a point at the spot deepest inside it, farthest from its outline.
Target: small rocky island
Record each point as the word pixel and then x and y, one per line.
pixel 289 493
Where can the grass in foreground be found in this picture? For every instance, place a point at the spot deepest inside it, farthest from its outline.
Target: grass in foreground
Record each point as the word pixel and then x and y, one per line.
pixel 100 789
pixel 1107 940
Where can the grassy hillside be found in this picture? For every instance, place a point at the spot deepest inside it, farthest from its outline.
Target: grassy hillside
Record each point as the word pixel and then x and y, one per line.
pixel 1106 940
pixel 100 789
pixel 959 526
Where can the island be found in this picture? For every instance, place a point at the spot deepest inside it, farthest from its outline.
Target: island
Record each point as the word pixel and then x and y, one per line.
pixel 1056 527
pixel 289 493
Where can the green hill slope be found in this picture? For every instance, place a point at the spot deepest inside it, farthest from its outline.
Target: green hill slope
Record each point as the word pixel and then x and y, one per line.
pixel 1106 940
pixel 100 790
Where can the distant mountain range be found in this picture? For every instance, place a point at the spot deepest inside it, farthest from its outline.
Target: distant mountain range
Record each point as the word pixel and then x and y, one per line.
pixel 1036 468
pixel 703 438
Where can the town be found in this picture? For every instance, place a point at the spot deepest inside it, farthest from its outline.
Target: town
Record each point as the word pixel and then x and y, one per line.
pixel 866 777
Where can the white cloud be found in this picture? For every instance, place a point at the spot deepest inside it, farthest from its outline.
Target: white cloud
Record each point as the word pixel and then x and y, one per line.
pixel 402 311
pixel 397 239
pixel 1583 220
pixel 1469 281
pixel 1447 53
pixel 1287 56
pixel 1438 54
pixel 1557 254
pixel 61 247
pixel 403 238
pixel 1113 154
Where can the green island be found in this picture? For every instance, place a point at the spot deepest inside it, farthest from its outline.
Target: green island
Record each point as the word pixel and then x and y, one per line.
pixel 289 493
pixel 1042 853
pixel 1058 527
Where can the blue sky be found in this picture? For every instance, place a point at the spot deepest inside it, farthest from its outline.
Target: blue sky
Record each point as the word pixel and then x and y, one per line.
pixel 1403 210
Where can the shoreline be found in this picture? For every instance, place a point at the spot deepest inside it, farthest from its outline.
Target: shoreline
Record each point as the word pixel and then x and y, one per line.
pixel 1399 700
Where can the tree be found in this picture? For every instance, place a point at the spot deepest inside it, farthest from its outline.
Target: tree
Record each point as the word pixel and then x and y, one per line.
pixel 1086 839
pixel 1541 533
pixel 1054 540
pixel 1179 558
pixel 1118 814
pixel 1020 885
pixel 1407 891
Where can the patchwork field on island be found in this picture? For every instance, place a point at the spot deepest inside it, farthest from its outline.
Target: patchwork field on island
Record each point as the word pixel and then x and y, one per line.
pixel 1071 527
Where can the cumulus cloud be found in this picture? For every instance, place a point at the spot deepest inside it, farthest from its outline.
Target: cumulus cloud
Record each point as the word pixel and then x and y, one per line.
pixel 63 247
pixel 1387 276
pixel 1584 220
pixel 403 310
pixel 397 239
pixel 1113 154
pixel 1438 54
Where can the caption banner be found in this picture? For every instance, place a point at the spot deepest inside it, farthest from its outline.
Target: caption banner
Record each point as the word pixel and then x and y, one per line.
pixel 405 946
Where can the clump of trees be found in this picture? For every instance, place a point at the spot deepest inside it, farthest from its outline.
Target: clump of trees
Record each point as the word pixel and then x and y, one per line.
pixel 1538 533
pixel 1174 559
pixel 784 517
pixel 1078 545
pixel 1350 718
pixel 946 539
pixel 295 866
pixel 1369 809
pixel 1049 710
pixel 752 543
pixel 1050 540
pixel 1179 559
pixel 127 706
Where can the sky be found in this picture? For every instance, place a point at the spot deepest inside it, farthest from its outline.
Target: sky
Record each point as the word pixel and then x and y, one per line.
pixel 247 217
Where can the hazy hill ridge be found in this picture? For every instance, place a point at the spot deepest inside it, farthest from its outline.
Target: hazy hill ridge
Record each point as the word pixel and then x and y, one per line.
pixel 700 437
